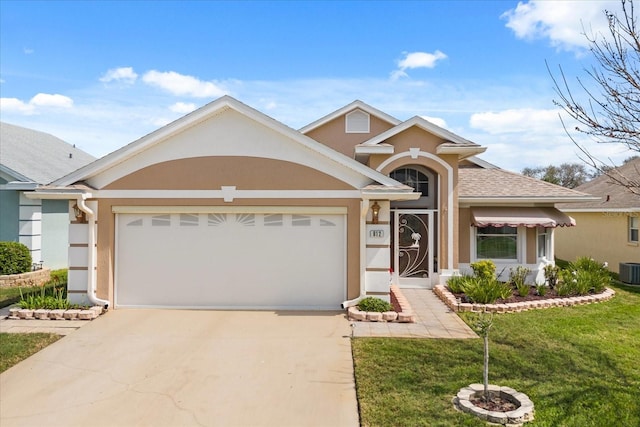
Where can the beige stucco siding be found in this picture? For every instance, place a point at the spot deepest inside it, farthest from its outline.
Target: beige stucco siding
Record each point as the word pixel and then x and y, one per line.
pixel 464 237
pixel 245 173
pixel 532 255
pixel 333 134
pixel 600 235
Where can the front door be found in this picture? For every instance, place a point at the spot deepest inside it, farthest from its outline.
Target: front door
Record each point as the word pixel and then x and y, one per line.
pixel 412 244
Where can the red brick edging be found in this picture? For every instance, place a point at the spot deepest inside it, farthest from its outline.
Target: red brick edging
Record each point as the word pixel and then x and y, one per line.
pixel 405 315
pixel 450 300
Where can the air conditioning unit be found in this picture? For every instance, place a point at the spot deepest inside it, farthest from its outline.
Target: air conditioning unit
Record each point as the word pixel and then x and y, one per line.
pixel 630 272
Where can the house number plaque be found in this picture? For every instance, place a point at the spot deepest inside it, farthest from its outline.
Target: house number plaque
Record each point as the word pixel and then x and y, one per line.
pixel 376 233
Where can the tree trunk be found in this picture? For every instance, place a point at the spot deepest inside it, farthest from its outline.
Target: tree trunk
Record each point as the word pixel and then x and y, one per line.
pixel 486 367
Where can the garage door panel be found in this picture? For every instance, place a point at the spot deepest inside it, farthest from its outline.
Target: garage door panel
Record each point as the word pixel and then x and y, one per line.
pixel 231 260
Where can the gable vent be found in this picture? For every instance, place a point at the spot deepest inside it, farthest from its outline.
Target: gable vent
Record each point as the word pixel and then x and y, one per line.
pixel 357 122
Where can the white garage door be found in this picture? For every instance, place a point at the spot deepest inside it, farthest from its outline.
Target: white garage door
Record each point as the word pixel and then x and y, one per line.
pixel 231 260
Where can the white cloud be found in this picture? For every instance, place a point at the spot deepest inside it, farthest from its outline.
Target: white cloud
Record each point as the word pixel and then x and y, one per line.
pixel 436 121
pixel 183 107
pixel 182 85
pixel 515 120
pixel 563 23
pixel 417 60
pixel 122 74
pixel 45 100
pixel 14 105
pixel 51 100
pixel 28 51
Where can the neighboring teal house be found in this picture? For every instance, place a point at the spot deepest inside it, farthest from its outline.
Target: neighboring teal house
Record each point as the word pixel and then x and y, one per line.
pixel 29 158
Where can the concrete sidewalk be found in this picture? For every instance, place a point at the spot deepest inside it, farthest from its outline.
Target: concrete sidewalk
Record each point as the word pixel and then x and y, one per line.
pixel 433 320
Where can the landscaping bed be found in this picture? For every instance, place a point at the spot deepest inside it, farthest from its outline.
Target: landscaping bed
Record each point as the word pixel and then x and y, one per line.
pixel 400 312
pixel 517 303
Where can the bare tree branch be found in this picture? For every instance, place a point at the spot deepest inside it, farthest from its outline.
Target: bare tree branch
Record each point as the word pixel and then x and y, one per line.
pixel 611 112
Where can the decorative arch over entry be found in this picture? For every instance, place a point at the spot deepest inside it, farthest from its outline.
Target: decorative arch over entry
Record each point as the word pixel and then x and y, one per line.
pixel 416 153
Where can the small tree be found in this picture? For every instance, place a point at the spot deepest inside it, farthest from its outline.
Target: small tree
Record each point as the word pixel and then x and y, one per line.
pixel 482 325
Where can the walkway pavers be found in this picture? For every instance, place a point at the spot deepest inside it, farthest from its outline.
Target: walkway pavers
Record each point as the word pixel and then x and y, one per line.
pixel 433 320
pixel 60 327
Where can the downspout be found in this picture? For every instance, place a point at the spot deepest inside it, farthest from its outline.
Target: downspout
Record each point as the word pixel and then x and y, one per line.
pixel 364 208
pixel 91 256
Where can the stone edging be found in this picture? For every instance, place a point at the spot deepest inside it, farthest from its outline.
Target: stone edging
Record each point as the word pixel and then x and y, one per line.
pixel 404 316
pixel 42 314
pixel 522 414
pixel 450 300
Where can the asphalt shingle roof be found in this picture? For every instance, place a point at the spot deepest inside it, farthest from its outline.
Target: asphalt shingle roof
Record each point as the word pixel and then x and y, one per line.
pixel 495 182
pixel 39 156
pixel 612 194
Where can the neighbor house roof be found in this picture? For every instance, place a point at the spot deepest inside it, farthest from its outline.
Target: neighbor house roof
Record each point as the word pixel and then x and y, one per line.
pixel 611 195
pixel 32 156
pixel 478 185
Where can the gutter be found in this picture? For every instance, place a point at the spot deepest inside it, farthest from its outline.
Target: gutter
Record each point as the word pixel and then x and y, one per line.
pixel 364 208
pixel 80 199
pixel 92 285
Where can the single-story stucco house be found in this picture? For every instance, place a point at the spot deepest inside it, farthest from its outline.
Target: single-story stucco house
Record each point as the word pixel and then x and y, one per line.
pixel 29 158
pixel 609 226
pixel 229 208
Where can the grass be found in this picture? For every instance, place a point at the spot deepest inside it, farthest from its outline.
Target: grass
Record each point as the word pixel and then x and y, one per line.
pixel 10 296
pixel 579 365
pixel 16 347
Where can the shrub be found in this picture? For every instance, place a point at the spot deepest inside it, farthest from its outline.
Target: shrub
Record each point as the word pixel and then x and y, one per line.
pixel 541 289
pixel 15 258
pixel 58 277
pixel 551 275
pixel 484 269
pixel 483 291
pixel 592 275
pixel 567 282
pixel 374 304
pixel 518 278
pixel 57 300
pixel 458 284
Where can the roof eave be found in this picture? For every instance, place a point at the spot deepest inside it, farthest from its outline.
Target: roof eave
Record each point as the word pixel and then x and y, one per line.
pixel 389 194
pixel 463 151
pixel 520 201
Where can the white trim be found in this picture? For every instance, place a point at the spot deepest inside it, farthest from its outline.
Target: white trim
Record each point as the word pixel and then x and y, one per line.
pixel 347 108
pixel 450 229
pixel 375 149
pixel 204 113
pixel 220 194
pixel 315 210
pixel 521 247
pixel 601 210
pixel 423 124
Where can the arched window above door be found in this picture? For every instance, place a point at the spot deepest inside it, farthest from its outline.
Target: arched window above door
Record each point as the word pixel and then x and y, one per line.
pixel 414 178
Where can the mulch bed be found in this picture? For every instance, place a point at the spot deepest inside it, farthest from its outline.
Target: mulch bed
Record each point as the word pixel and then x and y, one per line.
pixel 495 403
pixel 550 294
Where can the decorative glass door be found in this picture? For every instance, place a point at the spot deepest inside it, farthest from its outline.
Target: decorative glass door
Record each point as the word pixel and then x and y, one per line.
pixel 412 243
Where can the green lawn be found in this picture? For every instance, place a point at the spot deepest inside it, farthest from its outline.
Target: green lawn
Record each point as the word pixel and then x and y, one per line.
pixel 579 365
pixel 17 347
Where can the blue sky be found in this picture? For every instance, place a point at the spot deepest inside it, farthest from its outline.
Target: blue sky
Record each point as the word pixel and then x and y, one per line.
pixel 102 74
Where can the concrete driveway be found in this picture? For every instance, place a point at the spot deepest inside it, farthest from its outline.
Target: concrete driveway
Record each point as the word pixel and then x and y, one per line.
pixel 183 368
